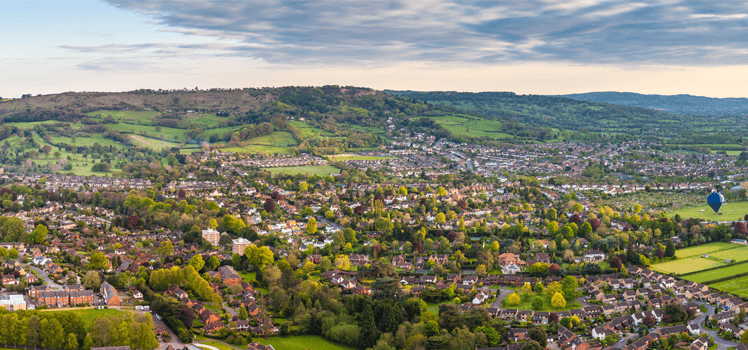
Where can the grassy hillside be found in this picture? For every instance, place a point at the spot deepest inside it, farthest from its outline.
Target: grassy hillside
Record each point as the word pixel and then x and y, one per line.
pixel 681 104
pixel 572 114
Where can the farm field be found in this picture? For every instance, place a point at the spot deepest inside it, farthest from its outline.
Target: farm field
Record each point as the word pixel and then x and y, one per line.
pixel 718 273
pixel 88 315
pixel 301 342
pixel 737 286
pixel 738 254
pixel 309 169
pixel 732 211
pixel 473 127
pixel 704 249
pixel 687 265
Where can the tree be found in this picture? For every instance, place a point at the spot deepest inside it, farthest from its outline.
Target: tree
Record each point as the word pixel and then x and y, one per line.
pixel 538 334
pixel 34 331
pixel 649 321
pixel 39 234
pixel 440 218
pixel 311 226
pixel 670 249
pixel 269 205
pixel 258 256
pixel 213 263
pixel 91 280
pixel 369 334
pixel 558 301
pixel 143 337
pixel 197 262
pixel 513 299
pixel 616 263
pixel 659 254
pixel 166 248
pixel 303 186
pixel 98 262
pixel 532 345
pixel 88 342
pixel 242 312
pixel 72 342
pixel 480 270
pixel 537 303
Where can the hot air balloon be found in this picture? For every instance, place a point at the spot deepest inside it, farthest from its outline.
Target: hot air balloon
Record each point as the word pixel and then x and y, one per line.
pixel 715 201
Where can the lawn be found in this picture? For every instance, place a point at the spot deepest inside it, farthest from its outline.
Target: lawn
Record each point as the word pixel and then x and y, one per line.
pixel 248 276
pixel 733 211
pixel 687 265
pixel 88 315
pixel 309 169
pixel 737 286
pixel 718 273
pixel 740 253
pixel 527 304
pixel 219 345
pixel 704 249
pixel 301 342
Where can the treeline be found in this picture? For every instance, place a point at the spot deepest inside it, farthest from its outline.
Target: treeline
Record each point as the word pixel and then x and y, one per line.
pixel 66 330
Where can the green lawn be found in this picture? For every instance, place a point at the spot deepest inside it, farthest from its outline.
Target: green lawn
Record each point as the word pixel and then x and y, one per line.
pixel 704 249
pixel 301 342
pixel 718 273
pixel 687 265
pixel 309 169
pixel 249 276
pixel 88 315
pixel 732 211
pixel 219 345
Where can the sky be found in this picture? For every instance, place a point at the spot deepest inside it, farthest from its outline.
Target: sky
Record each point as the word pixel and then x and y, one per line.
pixel 525 46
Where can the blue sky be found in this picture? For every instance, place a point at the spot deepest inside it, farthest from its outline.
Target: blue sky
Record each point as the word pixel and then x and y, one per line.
pixel 542 46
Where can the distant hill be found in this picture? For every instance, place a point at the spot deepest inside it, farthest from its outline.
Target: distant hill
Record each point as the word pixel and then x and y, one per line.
pixel 679 104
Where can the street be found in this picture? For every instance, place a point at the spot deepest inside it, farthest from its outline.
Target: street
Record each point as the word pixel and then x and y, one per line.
pixel 723 344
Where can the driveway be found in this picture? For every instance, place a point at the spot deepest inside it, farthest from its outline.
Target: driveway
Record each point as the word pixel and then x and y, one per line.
pixel 175 342
pixel 46 279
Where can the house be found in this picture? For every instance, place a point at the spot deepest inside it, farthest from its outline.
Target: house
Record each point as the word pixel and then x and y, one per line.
pixel 258 346
pixel 593 256
pixel 9 280
pixel 229 276
pixel 110 294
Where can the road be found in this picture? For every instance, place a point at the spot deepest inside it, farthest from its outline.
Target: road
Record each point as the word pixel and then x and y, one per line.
pixel 123 267
pixel 46 279
pixel 229 310
pixel 723 344
pixel 502 294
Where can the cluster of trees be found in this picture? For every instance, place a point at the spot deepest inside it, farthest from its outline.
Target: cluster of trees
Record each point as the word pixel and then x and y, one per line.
pixel 188 277
pixel 66 330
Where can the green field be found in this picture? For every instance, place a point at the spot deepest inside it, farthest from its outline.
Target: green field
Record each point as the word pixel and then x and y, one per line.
pixel 737 286
pixel 88 315
pixel 301 342
pixel 704 249
pixel 277 142
pixel 248 276
pixel 473 127
pixel 131 117
pixel 740 253
pixel 686 265
pixel 309 169
pixel 732 211
pixel 307 130
pixel 718 273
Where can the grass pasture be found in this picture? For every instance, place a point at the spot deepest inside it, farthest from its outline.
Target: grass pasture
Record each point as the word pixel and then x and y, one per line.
pixel 686 265
pixel 732 211
pixel 130 117
pixel 301 342
pixel 88 315
pixel 217 344
pixel 527 304
pixel 309 169
pixel 472 127
pixel 718 273
pixel 737 286
pixel 704 249
pixel 740 253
